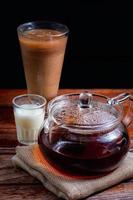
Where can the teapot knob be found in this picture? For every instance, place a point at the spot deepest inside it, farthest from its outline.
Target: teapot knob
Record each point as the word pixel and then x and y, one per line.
pixel 85 100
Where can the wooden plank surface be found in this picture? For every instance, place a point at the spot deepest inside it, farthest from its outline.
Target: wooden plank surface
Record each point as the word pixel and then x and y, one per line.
pixel 16 183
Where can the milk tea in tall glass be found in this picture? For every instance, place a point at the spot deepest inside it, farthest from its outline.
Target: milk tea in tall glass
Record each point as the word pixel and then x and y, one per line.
pixel 43 47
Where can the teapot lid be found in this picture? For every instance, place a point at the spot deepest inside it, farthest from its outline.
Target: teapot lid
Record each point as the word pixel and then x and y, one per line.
pixel 85 111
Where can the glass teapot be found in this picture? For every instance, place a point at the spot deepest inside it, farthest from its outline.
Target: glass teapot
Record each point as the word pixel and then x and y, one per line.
pixel 86 133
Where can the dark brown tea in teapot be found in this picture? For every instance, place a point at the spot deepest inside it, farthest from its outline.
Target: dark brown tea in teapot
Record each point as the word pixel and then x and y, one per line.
pixel 98 153
pixel 84 137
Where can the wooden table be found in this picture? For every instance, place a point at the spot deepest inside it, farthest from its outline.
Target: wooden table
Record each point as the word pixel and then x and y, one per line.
pixel 15 183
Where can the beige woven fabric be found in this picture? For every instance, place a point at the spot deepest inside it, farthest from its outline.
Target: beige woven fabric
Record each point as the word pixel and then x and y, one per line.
pixel 31 159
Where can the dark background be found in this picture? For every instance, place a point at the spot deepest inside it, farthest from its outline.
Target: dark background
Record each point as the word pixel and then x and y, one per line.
pixel 100 47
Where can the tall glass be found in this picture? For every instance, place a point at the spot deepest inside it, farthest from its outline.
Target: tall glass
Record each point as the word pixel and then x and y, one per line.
pixel 43 47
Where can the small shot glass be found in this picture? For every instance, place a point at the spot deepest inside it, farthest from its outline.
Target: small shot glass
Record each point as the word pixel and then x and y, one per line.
pixel 29 113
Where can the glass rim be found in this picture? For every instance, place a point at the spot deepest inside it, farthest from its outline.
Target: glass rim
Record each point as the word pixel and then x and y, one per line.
pixel 36 24
pixel 29 95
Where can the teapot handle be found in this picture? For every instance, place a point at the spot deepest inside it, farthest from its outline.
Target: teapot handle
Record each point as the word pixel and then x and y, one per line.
pixel 129 115
pixel 121 98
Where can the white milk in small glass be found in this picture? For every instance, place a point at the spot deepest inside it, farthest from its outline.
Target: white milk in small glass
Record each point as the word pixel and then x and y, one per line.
pixel 29 122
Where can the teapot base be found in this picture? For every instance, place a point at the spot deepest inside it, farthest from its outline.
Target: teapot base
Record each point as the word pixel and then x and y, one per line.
pixel 79 170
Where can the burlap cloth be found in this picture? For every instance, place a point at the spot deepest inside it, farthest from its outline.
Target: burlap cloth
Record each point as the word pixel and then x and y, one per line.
pixel 31 159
